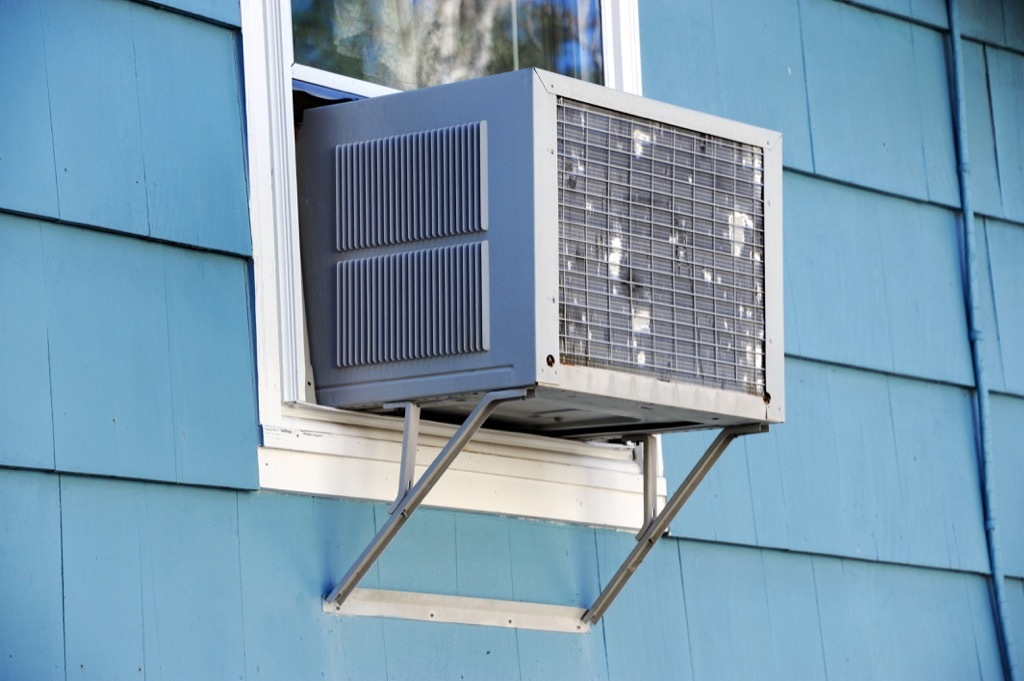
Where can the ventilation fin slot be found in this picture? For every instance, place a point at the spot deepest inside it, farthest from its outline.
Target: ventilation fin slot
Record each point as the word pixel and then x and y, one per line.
pixel 423 185
pixel 413 305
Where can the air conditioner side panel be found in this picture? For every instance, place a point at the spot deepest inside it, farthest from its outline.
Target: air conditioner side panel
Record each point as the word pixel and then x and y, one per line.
pixel 502 107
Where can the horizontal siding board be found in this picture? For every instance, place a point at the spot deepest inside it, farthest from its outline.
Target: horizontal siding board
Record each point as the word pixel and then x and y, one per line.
pixel 211 367
pixel 483 561
pixel 94 109
pixel 556 564
pixel 984 174
pixel 222 11
pixel 743 626
pixel 986 320
pixel 293 549
pixel 936 473
pixel 422 555
pixel 1005 74
pixel 103 562
pixel 833 240
pixel 931 12
pixel 110 369
pixel 31 627
pixel 26 422
pixel 1015 607
pixel 1007 475
pixel 28 180
pixel 130 556
pixel 984 20
pixel 192 619
pixel 858 470
pixel 934 115
pixel 139 136
pixel 880 117
pixel 1013 15
pixel 722 507
pixel 150 361
pixel 659 648
pixel 429 650
pixel 693 57
pixel 886 290
pixel 460 553
pixel 1005 249
pixel 925 301
pixel 191 120
pixel 884 621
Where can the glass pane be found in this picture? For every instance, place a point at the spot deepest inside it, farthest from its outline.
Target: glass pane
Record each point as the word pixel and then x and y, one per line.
pixel 407 44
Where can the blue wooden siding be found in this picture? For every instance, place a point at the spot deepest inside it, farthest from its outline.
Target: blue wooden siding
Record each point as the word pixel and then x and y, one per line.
pixel 28 177
pixel 1015 587
pixel 896 489
pixel 124 356
pixel 887 293
pixel 847 544
pixel 31 620
pixel 1005 242
pixel 1008 445
pixel 130 358
pixel 150 572
pixel 128 133
pixel 26 428
pixel 136 602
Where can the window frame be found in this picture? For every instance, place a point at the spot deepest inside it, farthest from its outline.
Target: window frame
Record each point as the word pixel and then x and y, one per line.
pixel 312 449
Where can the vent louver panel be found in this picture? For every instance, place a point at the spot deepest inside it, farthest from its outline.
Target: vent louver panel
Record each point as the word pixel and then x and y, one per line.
pixel 661 238
pixel 412 305
pixel 406 188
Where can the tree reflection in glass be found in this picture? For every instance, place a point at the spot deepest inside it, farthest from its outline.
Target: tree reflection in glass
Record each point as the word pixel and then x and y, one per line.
pixel 407 44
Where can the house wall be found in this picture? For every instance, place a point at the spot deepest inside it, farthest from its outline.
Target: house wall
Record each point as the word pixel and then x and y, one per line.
pixel 847 543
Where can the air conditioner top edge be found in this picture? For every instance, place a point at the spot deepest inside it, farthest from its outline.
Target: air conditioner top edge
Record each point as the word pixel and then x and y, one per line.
pixel 598 95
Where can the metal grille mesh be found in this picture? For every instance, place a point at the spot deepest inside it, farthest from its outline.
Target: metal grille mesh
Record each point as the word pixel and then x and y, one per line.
pixel 661 250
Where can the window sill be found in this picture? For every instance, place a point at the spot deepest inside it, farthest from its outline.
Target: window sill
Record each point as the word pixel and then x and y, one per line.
pixel 328 452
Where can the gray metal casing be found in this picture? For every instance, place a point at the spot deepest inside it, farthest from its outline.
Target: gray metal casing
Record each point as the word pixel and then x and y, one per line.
pixel 521 267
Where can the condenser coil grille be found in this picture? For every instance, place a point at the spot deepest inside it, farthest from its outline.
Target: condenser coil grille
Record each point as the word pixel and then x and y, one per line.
pixel 661 250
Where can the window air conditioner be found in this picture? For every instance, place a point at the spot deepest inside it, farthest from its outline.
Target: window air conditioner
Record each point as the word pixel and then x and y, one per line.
pixel 618 257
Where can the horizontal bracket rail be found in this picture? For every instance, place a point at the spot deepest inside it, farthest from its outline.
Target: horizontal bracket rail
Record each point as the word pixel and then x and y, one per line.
pixel 486 612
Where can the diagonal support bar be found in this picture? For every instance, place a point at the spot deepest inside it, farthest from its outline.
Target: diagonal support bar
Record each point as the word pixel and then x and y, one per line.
pixel 411 501
pixel 659 524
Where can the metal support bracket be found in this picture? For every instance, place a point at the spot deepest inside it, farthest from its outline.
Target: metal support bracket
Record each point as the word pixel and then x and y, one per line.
pixel 409 499
pixel 507 613
pixel 658 525
pixel 410 436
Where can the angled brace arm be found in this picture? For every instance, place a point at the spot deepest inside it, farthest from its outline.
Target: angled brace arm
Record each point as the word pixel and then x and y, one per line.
pixel 408 502
pixel 658 525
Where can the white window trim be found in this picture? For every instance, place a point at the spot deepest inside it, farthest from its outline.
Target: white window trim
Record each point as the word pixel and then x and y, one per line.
pixel 311 449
